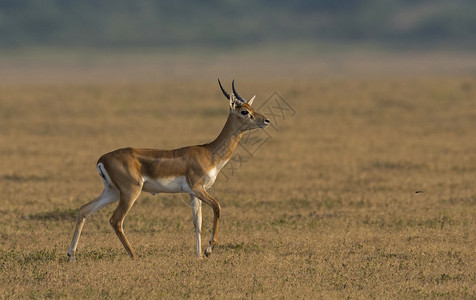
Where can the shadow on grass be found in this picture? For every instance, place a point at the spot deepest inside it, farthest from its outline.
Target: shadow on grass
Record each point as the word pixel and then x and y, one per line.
pixel 21 178
pixel 24 258
pixel 240 247
pixel 56 215
pixel 102 253
pixel 53 255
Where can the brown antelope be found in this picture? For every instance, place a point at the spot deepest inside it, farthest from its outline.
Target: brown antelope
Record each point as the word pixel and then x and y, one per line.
pixel 129 171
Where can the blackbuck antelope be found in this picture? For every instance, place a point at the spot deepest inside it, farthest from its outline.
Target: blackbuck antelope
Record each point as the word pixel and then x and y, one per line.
pixel 129 171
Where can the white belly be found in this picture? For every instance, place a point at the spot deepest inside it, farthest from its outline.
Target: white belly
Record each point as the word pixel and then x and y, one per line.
pixel 166 185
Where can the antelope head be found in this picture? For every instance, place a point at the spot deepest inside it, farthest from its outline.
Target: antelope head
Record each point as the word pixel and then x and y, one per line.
pixel 241 110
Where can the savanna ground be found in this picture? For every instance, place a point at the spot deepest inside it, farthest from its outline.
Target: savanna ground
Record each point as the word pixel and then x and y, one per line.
pixel 368 190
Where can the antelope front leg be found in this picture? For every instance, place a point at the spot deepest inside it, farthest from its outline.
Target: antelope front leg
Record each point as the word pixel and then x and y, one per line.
pixel 197 223
pixel 205 197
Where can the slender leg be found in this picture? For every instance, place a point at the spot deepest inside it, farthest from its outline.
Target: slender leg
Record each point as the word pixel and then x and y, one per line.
pixel 205 197
pixel 197 222
pixel 108 196
pixel 127 199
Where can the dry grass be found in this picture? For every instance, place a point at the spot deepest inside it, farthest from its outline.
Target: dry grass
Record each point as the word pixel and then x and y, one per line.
pixel 327 208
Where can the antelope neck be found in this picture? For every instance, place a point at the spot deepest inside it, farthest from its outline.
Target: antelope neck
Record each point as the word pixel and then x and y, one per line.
pixel 223 146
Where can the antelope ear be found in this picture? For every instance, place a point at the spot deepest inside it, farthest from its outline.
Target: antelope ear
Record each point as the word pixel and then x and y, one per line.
pixel 250 102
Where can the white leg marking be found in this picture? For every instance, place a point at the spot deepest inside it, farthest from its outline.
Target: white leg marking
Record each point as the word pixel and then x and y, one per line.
pixel 197 222
pixel 105 176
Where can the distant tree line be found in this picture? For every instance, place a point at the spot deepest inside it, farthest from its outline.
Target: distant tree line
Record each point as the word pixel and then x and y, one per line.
pixel 138 23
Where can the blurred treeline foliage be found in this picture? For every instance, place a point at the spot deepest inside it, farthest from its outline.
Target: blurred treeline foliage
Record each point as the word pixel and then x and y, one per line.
pixel 139 23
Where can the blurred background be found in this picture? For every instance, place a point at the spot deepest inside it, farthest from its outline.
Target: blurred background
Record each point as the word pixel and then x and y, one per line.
pixel 363 188
pixel 91 40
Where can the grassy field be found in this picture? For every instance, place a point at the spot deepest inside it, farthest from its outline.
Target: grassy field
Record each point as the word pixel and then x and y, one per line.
pixel 365 189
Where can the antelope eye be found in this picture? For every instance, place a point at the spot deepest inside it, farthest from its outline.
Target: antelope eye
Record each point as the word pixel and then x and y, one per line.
pixel 244 112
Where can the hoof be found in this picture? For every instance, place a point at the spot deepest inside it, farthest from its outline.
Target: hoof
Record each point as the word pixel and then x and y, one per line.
pixel 207 253
pixel 70 257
